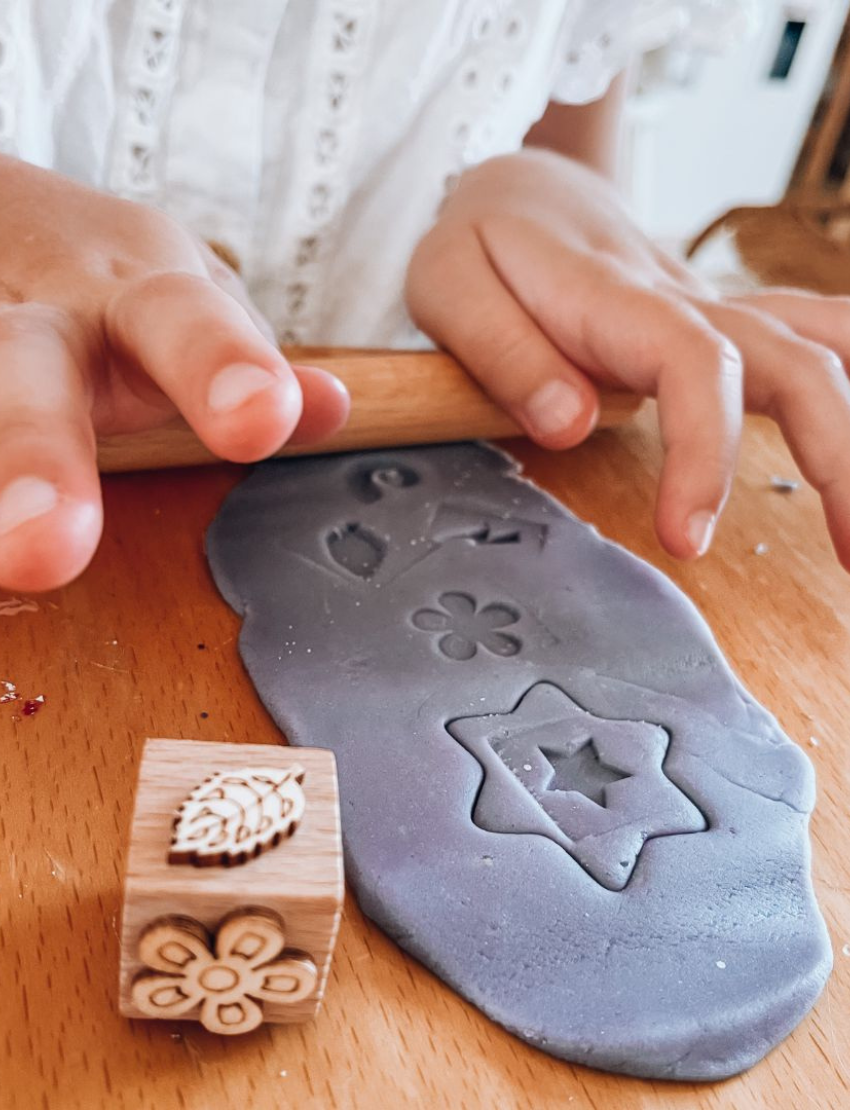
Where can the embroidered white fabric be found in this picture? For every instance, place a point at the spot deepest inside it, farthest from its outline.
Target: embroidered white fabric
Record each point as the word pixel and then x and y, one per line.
pixel 315 138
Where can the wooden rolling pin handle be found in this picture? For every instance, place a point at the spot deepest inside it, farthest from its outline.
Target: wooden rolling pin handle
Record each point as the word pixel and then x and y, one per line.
pixel 398 398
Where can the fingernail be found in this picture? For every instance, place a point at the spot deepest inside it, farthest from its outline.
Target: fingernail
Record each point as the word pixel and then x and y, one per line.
pixel 700 530
pixel 554 408
pixel 331 379
pixel 24 499
pixel 233 385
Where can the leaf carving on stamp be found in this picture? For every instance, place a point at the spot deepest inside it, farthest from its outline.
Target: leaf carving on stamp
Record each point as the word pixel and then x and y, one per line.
pixel 234 815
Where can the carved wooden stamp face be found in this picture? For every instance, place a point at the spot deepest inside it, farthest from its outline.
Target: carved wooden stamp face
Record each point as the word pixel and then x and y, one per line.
pixel 228 977
pixel 234 815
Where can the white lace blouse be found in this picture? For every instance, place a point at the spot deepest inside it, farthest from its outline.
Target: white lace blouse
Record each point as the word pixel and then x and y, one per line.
pixel 314 138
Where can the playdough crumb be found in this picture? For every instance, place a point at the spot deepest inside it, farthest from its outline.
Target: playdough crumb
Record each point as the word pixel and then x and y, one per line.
pixel 784 485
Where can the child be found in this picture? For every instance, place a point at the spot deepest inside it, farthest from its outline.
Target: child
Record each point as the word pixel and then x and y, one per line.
pixel 364 162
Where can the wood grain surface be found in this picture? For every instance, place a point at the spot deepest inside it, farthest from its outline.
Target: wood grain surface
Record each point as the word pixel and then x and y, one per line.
pixel 142 645
pixel 397 397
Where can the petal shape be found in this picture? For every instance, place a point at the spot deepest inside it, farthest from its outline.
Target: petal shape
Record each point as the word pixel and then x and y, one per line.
pixel 459 605
pixel 500 643
pixel 429 620
pixel 286 981
pixel 170 944
pixel 238 1016
pixel 456 646
pixel 496 616
pixel 164 996
pixel 256 936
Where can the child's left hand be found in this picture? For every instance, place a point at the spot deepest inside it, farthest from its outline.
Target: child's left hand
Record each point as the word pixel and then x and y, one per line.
pixel 535 278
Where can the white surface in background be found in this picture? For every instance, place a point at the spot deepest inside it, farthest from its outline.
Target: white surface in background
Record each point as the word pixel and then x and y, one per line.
pixel 727 134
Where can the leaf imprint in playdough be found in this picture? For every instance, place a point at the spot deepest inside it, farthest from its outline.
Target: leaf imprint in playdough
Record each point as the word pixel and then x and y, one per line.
pixel 356 549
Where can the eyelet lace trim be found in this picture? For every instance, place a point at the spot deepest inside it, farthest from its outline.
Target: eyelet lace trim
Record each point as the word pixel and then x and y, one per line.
pixel 10 32
pixel 605 38
pixel 483 84
pixel 150 71
pixel 343 34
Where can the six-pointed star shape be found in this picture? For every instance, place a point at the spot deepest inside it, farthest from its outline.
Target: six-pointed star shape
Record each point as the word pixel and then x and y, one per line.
pixel 623 768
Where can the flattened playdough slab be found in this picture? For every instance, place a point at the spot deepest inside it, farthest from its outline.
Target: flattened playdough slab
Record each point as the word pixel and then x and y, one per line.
pixel 555 793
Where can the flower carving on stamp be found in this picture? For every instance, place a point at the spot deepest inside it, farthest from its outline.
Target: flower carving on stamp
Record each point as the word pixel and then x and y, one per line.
pixel 463 626
pixel 227 978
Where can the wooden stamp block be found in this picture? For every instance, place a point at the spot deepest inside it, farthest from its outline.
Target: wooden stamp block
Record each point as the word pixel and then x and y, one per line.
pixel 234 884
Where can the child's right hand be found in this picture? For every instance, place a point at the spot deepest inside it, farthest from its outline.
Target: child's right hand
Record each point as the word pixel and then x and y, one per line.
pixel 112 319
pixel 535 278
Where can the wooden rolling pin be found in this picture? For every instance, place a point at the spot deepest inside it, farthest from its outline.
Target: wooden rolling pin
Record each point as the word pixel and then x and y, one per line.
pixel 397 398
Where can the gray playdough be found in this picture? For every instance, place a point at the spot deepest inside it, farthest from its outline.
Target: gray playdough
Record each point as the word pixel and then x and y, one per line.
pixel 555 793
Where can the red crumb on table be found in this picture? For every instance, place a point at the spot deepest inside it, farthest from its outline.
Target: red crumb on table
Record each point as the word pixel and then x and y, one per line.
pixel 9 693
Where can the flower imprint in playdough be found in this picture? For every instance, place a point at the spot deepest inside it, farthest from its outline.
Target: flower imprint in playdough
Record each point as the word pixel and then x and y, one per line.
pixel 464 627
pixel 228 978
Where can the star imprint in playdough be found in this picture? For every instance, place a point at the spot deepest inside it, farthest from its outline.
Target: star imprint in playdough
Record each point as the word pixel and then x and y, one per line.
pixel 581 770
pixel 595 786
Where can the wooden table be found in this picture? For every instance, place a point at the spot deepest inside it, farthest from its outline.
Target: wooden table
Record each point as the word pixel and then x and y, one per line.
pixel 143 645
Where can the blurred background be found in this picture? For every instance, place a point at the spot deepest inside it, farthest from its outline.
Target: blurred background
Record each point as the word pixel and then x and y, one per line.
pixel 762 120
